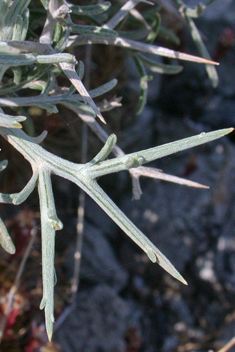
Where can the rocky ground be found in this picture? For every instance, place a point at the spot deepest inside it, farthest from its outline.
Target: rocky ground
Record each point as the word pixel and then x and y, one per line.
pixel 125 303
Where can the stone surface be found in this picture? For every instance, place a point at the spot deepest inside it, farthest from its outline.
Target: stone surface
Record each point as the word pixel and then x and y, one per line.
pixel 99 263
pixel 97 324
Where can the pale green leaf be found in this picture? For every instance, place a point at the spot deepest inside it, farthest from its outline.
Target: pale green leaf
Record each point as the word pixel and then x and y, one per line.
pixel 90 10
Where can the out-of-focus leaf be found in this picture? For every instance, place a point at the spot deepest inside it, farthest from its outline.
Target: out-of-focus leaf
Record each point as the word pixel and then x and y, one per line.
pixel 83 107
pixel 49 85
pixel 38 85
pixel 7 49
pixel 158 67
pixel 211 70
pixel 45 4
pixel 3 10
pixel 144 78
pixel 5 239
pixel 57 32
pixel 51 109
pixel 168 35
pixel 135 34
pixel 17 74
pixel 17 8
pixel 3 165
pixel 155 28
pixel 107 105
pixel 17 28
pixel 90 10
pixel 103 89
pixel 93 30
pixel 11 121
pixel 25 26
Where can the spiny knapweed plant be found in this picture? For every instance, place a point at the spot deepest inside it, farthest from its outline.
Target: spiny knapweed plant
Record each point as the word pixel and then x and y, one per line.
pixel 36 61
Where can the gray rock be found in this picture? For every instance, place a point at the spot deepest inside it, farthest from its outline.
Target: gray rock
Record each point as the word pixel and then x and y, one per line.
pixel 185 222
pixel 98 324
pixel 99 264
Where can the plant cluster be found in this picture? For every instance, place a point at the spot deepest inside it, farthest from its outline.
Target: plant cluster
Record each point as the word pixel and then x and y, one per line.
pixel 34 62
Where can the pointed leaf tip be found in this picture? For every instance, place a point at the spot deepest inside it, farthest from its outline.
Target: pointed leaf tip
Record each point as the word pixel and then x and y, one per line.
pixel 49 335
pixel 157 256
pixel 101 118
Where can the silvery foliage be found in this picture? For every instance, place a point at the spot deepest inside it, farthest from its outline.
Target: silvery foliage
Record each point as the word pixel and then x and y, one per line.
pixel 59 33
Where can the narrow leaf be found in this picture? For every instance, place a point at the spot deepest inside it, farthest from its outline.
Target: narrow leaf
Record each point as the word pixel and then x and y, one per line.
pixel 103 89
pixel 196 11
pixel 51 109
pixel 49 224
pixel 3 10
pixel 90 10
pixel 17 8
pixel 17 75
pixel 17 28
pixel 17 60
pixel 158 67
pixel 45 4
pixel 39 139
pixel 137 159
pixel 38 85
pixel 11 121
pixel 144 78
pixel 160 175
pixel 106 150
pixel 132 231
pixel 155 28
pixel 3 165
pixel 169 35
pixel 83 107
pixel 49 85
pixel 8 49
pixel 93 30
pixel 138 34
pixel 72 75
pixel 5 239
pixel 211 71
pixel 134 45
pixel 25 26
pixel 183 144
pixel 27 190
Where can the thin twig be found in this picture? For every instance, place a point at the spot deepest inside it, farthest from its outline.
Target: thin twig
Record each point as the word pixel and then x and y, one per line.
pixel 16 284
pixel 82 195
pixel 228 345
pixel 81 212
